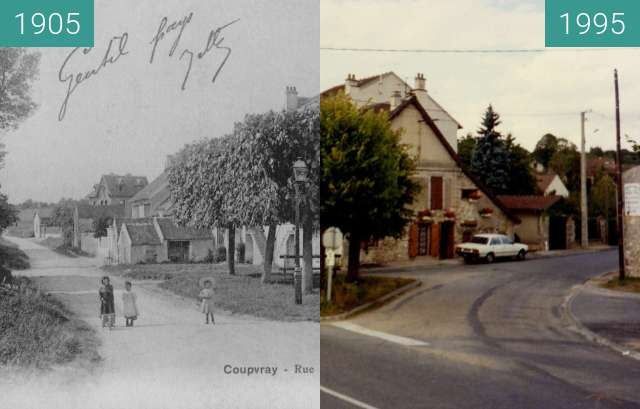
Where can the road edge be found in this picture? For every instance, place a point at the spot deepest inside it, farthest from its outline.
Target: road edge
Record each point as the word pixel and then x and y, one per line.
pixel 378 302
pixel 577 326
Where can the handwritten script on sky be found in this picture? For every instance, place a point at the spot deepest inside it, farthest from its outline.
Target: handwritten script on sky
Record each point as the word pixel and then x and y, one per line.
pixel 79 66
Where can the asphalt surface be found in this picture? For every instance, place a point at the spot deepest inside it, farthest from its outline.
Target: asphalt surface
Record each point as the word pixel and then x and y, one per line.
pixel 497 338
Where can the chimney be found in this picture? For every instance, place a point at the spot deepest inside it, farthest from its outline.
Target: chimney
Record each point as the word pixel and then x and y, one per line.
pixel 292 98
pixel 350 83
pixel 420 82
pixel 396 100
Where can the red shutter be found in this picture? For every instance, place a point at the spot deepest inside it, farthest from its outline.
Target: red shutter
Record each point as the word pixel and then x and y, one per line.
pixel 413 240
pixel 436 192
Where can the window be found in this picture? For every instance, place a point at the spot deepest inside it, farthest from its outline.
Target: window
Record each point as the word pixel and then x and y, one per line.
pixel 495 241
pixel 479 240
pixel 469 193
pixel 506 240
pixel 436 192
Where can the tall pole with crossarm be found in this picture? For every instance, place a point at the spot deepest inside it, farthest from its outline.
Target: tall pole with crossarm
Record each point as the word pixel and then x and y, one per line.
pixel 620 227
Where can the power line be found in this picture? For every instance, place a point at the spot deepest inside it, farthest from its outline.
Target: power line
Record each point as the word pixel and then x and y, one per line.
pixel 463 50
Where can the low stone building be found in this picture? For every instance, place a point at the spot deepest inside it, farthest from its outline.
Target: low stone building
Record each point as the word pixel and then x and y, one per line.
pixel 534 228
pixel 42 222
pixel 631 221
pixel 453 205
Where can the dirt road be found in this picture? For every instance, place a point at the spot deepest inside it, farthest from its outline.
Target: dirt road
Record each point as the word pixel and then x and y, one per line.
pixel 170 359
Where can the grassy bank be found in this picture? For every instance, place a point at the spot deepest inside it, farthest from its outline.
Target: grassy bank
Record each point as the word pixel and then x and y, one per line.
pixel 12 257
pixel 347 296
pixel 242 293
pixel 36 331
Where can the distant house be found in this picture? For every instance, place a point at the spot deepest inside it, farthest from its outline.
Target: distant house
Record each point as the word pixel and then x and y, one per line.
pixel 536 227
pixel 551 184
pixel 42 220
pixel 84 220
pixel 153 200
pixel 161 240
pixel 116 189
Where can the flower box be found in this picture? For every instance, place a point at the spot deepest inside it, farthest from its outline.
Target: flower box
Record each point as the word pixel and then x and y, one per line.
pixel 486 212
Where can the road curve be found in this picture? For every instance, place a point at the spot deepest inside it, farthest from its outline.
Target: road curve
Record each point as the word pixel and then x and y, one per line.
pixel 497 338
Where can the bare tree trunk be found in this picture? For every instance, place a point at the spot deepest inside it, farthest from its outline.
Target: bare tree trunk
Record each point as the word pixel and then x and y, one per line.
pixel 231 249
pixel 354 257
pixel 307 255
pixel 268 253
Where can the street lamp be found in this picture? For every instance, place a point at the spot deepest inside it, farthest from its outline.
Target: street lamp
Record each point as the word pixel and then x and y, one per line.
pixel 300 172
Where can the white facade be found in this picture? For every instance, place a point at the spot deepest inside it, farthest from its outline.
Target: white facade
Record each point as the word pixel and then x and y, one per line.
pixel 556 187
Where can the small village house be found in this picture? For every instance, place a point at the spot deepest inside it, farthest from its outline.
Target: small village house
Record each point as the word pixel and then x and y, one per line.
pixel 538 229
pixel 42 222
pixel 115 189
pixel 550 184
pixel 453 205
pixel 85 218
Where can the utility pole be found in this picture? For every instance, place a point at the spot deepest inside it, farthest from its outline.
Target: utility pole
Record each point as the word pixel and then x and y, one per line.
pixel 584 239
pixel 619 226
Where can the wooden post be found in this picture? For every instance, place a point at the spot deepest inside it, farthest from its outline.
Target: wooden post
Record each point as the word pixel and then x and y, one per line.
pixel 620 227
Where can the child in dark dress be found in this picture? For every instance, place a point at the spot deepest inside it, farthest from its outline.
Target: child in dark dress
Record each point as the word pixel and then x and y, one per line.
pixel 107 306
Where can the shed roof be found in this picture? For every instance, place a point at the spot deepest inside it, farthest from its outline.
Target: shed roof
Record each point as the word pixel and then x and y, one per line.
pixel 535 203
pixel 172 231
pixel 142 234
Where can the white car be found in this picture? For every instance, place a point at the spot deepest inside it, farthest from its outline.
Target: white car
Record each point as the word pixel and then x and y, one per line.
pixel 491 246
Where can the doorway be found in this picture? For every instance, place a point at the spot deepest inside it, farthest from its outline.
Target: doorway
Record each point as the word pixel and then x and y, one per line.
pixel 447 232
pixel 423 239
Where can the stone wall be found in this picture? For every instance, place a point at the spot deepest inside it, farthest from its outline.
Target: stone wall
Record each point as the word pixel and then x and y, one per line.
pixel 631 225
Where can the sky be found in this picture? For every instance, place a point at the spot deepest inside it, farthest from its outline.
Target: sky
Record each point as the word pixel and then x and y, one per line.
pixel 535 93
pixel 131 115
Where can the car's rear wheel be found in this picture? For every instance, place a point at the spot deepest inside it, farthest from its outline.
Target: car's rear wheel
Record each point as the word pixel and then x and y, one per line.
pixel 490 258
pixel 522 255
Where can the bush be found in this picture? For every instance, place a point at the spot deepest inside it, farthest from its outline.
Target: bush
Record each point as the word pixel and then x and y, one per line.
pixel 221 254
pixel 240 253
pixel 210 258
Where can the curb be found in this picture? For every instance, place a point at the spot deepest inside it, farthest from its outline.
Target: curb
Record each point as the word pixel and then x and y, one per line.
pixel 578 327
pixel 383 299
pixel 569 253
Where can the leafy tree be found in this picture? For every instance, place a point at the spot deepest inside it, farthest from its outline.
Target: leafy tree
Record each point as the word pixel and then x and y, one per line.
pixel 602 201
pixel 521 178
pixel 63 217
pixel 366 180
pixel 18 70
pixel 268 145
pixel 466 146
pixel 566 163
pixel 545 148
pixel 8 213
pixel 490 161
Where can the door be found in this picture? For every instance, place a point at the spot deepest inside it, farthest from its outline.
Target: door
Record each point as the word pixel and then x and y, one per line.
pixel 178 251
pixel 557 233
pixel 423 239
pixel 446 249
pixel 508 249
pixel 435 240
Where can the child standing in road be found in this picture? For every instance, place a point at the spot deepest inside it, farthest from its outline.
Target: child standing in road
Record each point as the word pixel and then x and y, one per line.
pixel 107 307
pixel 207 300
pixel 129 304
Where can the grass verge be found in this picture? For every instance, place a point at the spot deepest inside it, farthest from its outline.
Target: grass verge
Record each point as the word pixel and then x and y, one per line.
pixel 242 293
pixel 37 331
pixel 12 257
pixel 57 244
pixel 629 284
pixel 347 296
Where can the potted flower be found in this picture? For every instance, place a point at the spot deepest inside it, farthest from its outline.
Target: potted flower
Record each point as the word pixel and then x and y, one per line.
pixel 469 223
pixel 449 214
pixel 486 212
pixel 424 215
pixel 474 196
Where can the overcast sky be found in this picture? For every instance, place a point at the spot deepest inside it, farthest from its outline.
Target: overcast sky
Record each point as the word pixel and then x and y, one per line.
pixel 535 93
pixel 128 118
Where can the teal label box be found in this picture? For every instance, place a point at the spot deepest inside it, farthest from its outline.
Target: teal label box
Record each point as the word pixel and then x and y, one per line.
pixel 592 23
pixel 46 23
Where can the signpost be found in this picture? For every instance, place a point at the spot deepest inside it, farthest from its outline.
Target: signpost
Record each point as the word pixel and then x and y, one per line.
pixel 332 241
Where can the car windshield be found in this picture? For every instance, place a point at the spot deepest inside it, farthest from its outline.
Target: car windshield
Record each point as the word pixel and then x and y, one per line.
pixel 479 240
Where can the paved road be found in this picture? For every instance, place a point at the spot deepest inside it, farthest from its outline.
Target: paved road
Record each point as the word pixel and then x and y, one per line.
pixel 496 338
pixel 170 359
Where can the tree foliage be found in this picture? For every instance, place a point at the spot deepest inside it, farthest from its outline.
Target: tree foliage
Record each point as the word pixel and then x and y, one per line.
pixel 521 178
pixel 466 146
pixel 366 179
pixel 63 217
pixel 18 70
pixel 490 161
pixel 100 226
pixel 8 213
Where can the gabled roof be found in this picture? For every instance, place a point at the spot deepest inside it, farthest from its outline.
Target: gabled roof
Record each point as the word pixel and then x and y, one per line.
pixel 142 234
pixel 123 186
pixel 155 193
pixel 545 180
pixel 413 101
pixel 528 203
pixel 120 221
pixel 44 212
pixel 171 231
pixel 367 80
pixel 95 212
